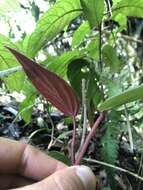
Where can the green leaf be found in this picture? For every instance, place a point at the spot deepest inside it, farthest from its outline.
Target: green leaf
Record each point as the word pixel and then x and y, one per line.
pixel 51 23
pixel 114 88
pixel 24 44
pixel 109 151
pixel 59 64
pixel 26 107
pixel 110 58
pixel 80 34
pixel 60 156
pixel 7 60
pixel 94 95
pixel 122 21
pixel 116 1
pixel 78 70
pixel 110 144
pixel 123 98
pixel 132 8
pixel 9 5
pixel 93 11
pixel 93 48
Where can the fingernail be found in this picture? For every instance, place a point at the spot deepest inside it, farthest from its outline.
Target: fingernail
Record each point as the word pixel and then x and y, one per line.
pixel 87 177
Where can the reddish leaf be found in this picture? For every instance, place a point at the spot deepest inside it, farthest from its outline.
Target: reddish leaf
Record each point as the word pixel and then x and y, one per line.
pixel 51 86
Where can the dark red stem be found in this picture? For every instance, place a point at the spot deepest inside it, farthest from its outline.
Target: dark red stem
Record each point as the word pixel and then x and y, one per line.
pixel 73 142
pixel 89 137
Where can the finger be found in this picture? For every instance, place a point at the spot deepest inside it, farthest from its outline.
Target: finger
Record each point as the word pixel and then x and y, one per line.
pixel 12 181
pixel 24 159
pixel 73 178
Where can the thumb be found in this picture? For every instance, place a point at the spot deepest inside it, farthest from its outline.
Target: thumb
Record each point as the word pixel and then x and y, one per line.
pixel 72 178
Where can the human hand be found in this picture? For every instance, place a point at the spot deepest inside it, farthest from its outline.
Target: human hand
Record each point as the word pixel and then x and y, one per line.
pixel 22 167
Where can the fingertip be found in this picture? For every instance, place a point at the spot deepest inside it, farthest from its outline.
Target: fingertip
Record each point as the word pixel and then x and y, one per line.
pixel 86 176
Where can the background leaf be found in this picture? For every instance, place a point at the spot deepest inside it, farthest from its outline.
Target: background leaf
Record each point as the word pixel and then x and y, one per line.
pixel 26 107
pixel 80 34
pixel 93 48
pixel 93 11
pixel 123 98
pixel 9 5
pixel 7 61
pixel 114 88
pixel 110 58
pixel 51 23
pixel 78 70
pixel 109 143
pixel 60 63
pixel 129 8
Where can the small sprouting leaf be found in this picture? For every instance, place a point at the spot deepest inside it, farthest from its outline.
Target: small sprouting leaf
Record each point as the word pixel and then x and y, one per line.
pixel 123 98
pixel 93 11
pixel 51 86
pixel 110 58
pixel 80 34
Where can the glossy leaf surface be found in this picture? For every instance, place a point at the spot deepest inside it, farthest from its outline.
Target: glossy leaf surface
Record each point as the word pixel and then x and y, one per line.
pixel 51 23
pixel 123 98
pixel 129 8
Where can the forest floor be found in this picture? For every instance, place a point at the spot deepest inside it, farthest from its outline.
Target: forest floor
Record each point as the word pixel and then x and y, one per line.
pixel 52 133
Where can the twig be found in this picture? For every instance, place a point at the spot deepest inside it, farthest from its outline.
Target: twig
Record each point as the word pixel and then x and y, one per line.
pixel 84 115
pixel 130 38
pixel 7 72
pixel 89 137
pixel 109 7
pixel 52 133
pixel 100 47
pixel 129 129
pixel 73 141
pixel 115 167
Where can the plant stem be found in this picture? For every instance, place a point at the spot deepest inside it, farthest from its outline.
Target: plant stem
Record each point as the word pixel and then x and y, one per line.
pixel 115 167
pixel 100 47
pixel 84 115
pixel 73 141
pixel 129 129
pixel 109 8
pixel 89 137
pixel 7 72
pixel 52 133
